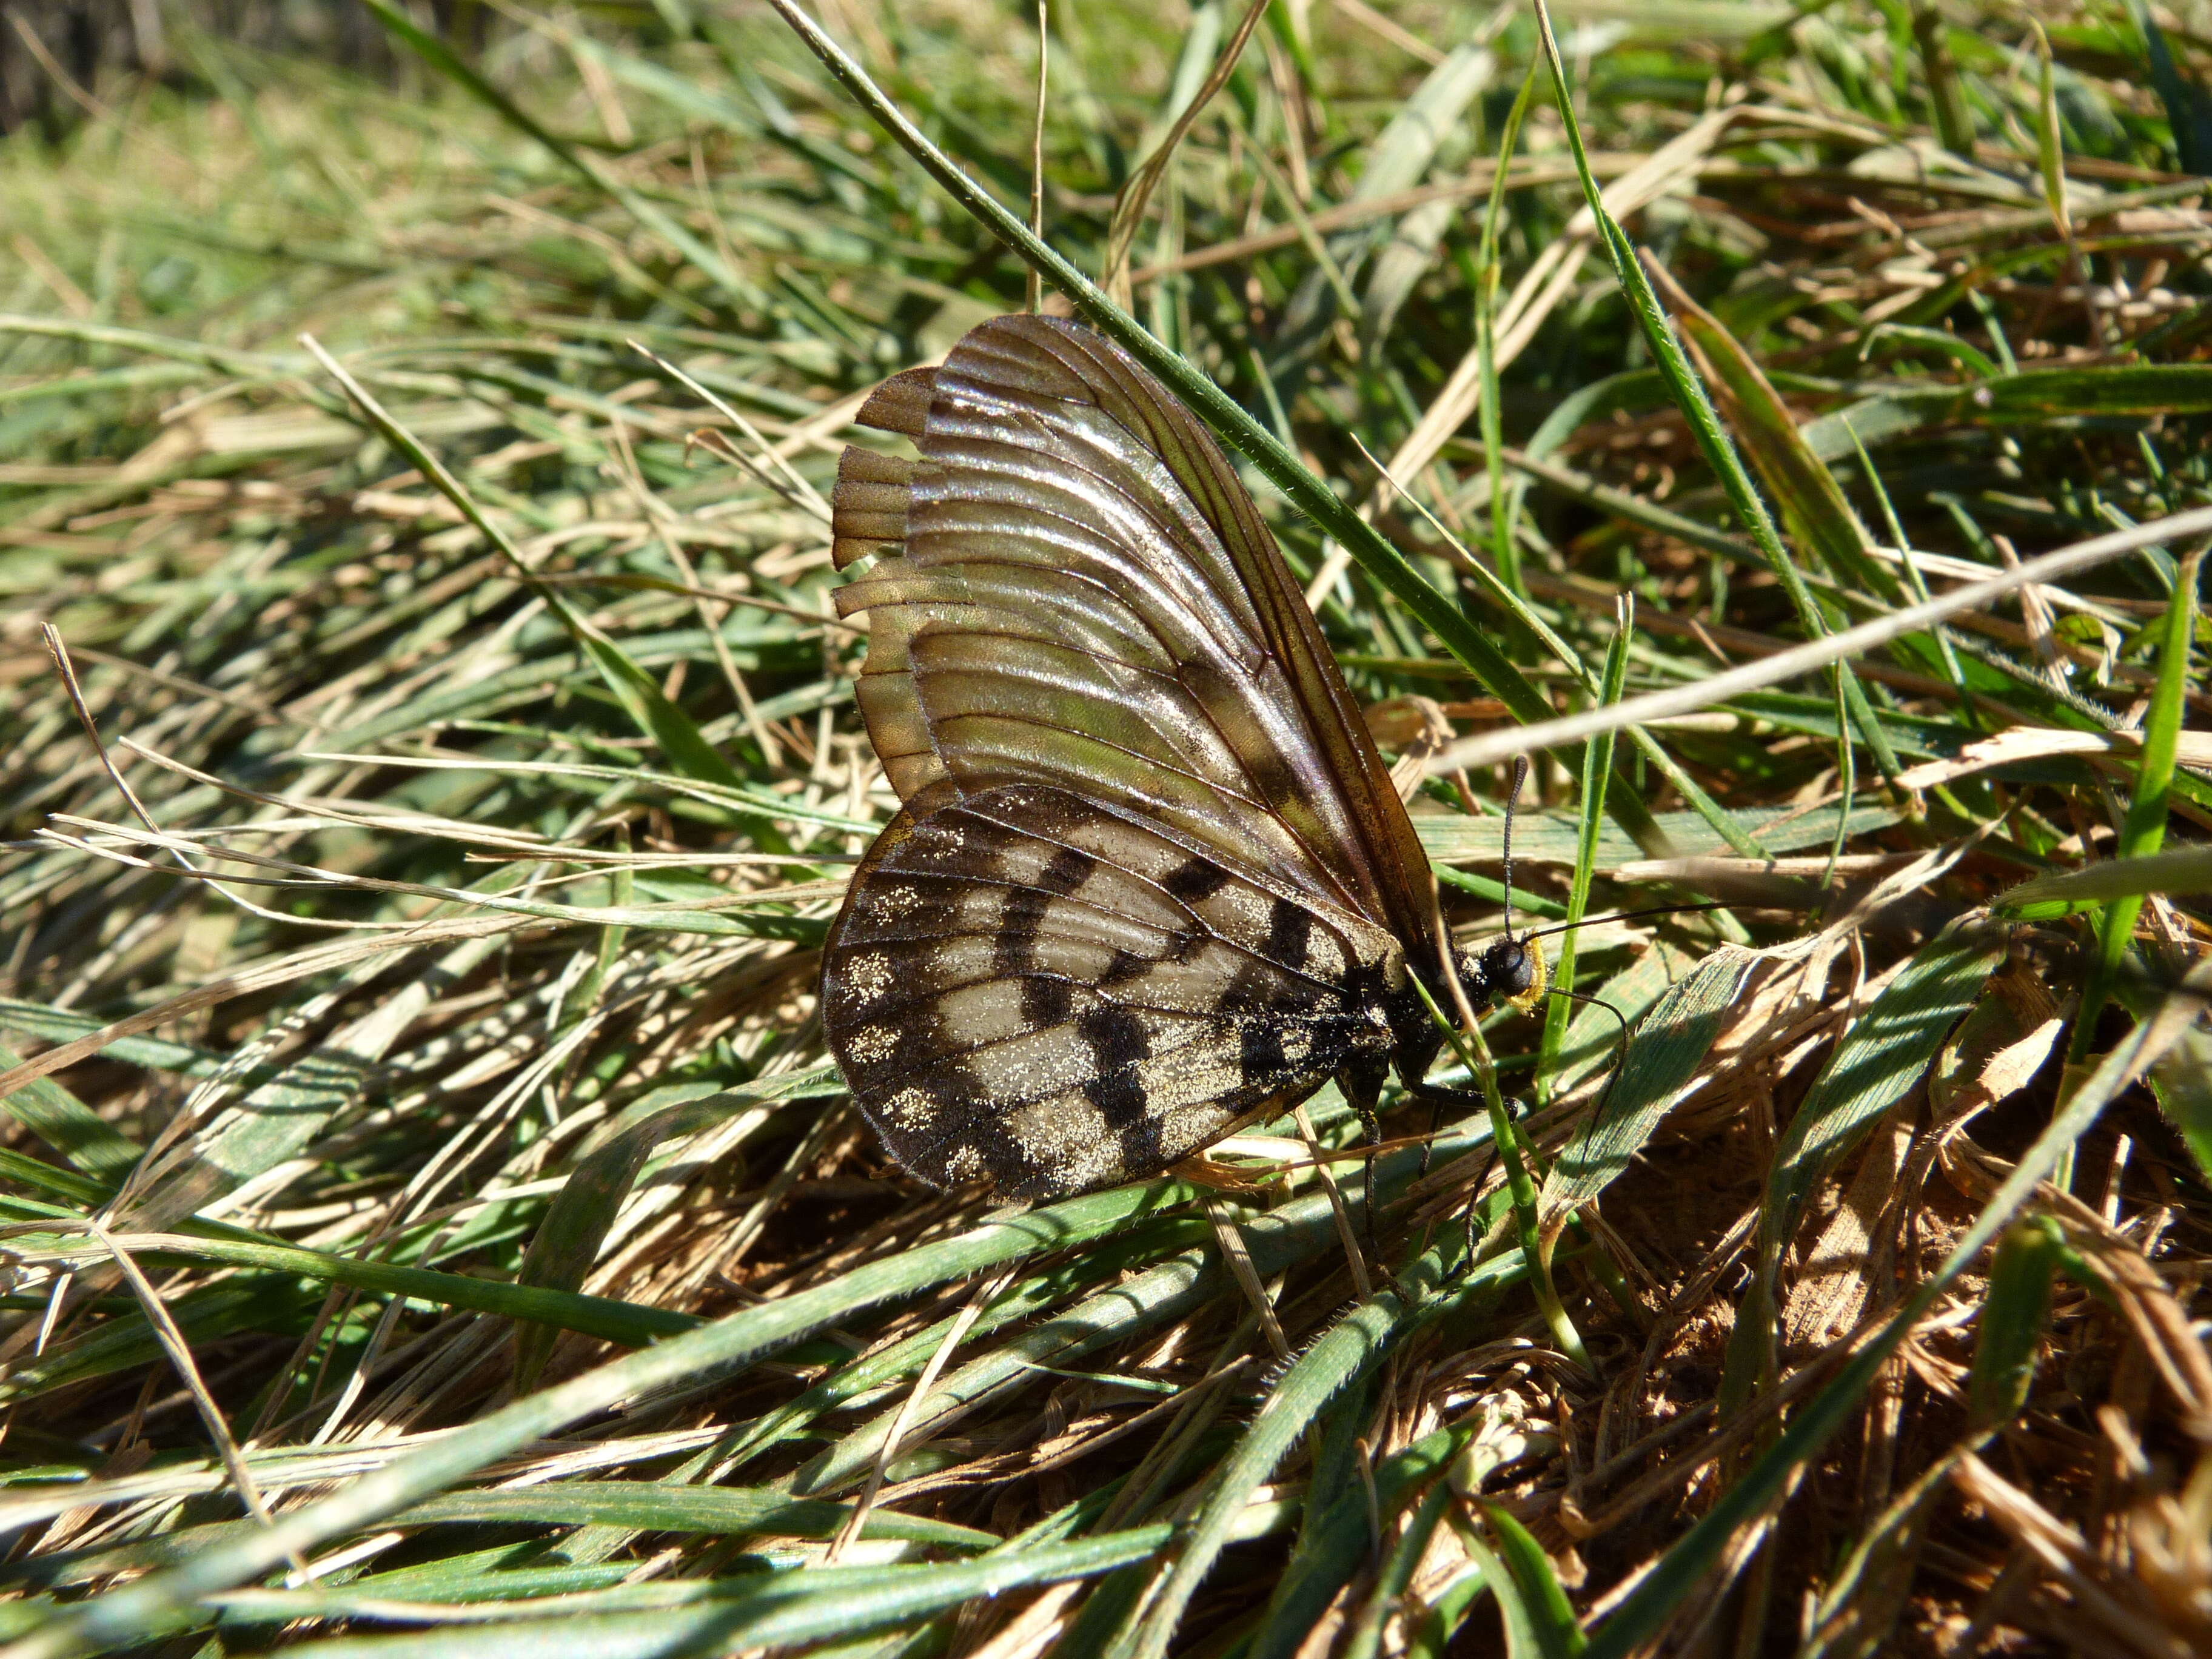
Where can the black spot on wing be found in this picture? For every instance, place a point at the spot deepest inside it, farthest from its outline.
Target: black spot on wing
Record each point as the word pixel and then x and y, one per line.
pixel 1279 785
pixel 1196 879
pixel 1067 869
pixel 1290 934
pixel 1119 1039
pixel 1260 1056
pixel 1125 965
pixel 1045 1000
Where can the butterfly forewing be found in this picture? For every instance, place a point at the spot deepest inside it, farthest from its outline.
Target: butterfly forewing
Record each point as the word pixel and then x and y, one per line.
pixel 1032 988
pixel 1084 597
pixel 1150 876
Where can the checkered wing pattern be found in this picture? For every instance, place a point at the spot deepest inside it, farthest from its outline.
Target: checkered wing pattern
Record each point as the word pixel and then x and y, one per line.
pixel 1049 993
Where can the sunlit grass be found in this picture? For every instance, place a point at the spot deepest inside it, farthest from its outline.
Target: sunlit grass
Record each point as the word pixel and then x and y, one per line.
pixel 429 1031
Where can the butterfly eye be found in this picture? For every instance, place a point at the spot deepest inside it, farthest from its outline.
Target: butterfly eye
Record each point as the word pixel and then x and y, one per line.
pixel 1508 969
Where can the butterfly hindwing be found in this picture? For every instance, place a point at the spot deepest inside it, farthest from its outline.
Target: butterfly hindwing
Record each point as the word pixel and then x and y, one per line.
pixel 1032 988
pixel 1070 588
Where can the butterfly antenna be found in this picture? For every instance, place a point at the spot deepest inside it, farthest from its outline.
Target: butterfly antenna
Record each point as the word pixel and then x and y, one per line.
pixel 1594 1002
pixel 1628 915
pixel 1512 798
pixel 1620 1051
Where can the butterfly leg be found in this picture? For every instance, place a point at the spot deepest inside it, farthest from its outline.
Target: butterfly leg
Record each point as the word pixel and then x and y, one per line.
pixel 1441 1096
pixel 1363 1092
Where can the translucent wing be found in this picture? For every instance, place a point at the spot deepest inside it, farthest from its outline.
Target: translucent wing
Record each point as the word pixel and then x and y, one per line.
pixel 1033 988
pixel 1071 588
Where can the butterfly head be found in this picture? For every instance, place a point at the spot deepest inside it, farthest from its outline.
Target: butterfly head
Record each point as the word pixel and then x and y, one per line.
pixel 1509 970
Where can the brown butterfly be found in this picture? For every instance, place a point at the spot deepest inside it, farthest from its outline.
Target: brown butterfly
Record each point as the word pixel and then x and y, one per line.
pixel 1150 879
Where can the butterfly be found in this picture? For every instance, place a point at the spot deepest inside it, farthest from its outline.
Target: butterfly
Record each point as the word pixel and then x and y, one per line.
pixel 1150 879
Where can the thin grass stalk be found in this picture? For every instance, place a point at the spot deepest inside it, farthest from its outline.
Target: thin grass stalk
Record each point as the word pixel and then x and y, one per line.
pixel 1491 747
pixel 1597 771
pixel 1466 1041
pixel 1129 205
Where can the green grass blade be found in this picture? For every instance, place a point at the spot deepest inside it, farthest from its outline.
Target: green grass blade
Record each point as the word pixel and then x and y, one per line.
pixel 642 1505
pixel 69 1125
pixel 66 1025
pixel 121 1344
pixel 706 1350
pixel 1886 1053
pixel 282 1114
pixel 44 1178
pixel 2067 892
pixel 657 1506
pixel 2144 830
pixel 1336 1543
pixel 602 1316
pixel 1386 1600
pixel 1539 1619
pixel 1812 505
pixel 2188 106
pixel 676 733
pixel 757 1611
pixel 1502 547
pixel 1663 1054
pixel 1592 1043
pixel 1125 1256
pixel 2182 1080
pixel 1278 1241
pixel 567 1243
pixel 2123 390
pixel 1348 1349
pixel 1690 396
pixel 1597 771
pixel 2015 1317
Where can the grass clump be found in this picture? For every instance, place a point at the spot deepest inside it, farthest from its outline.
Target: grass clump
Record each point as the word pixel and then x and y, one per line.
pixel 429 768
